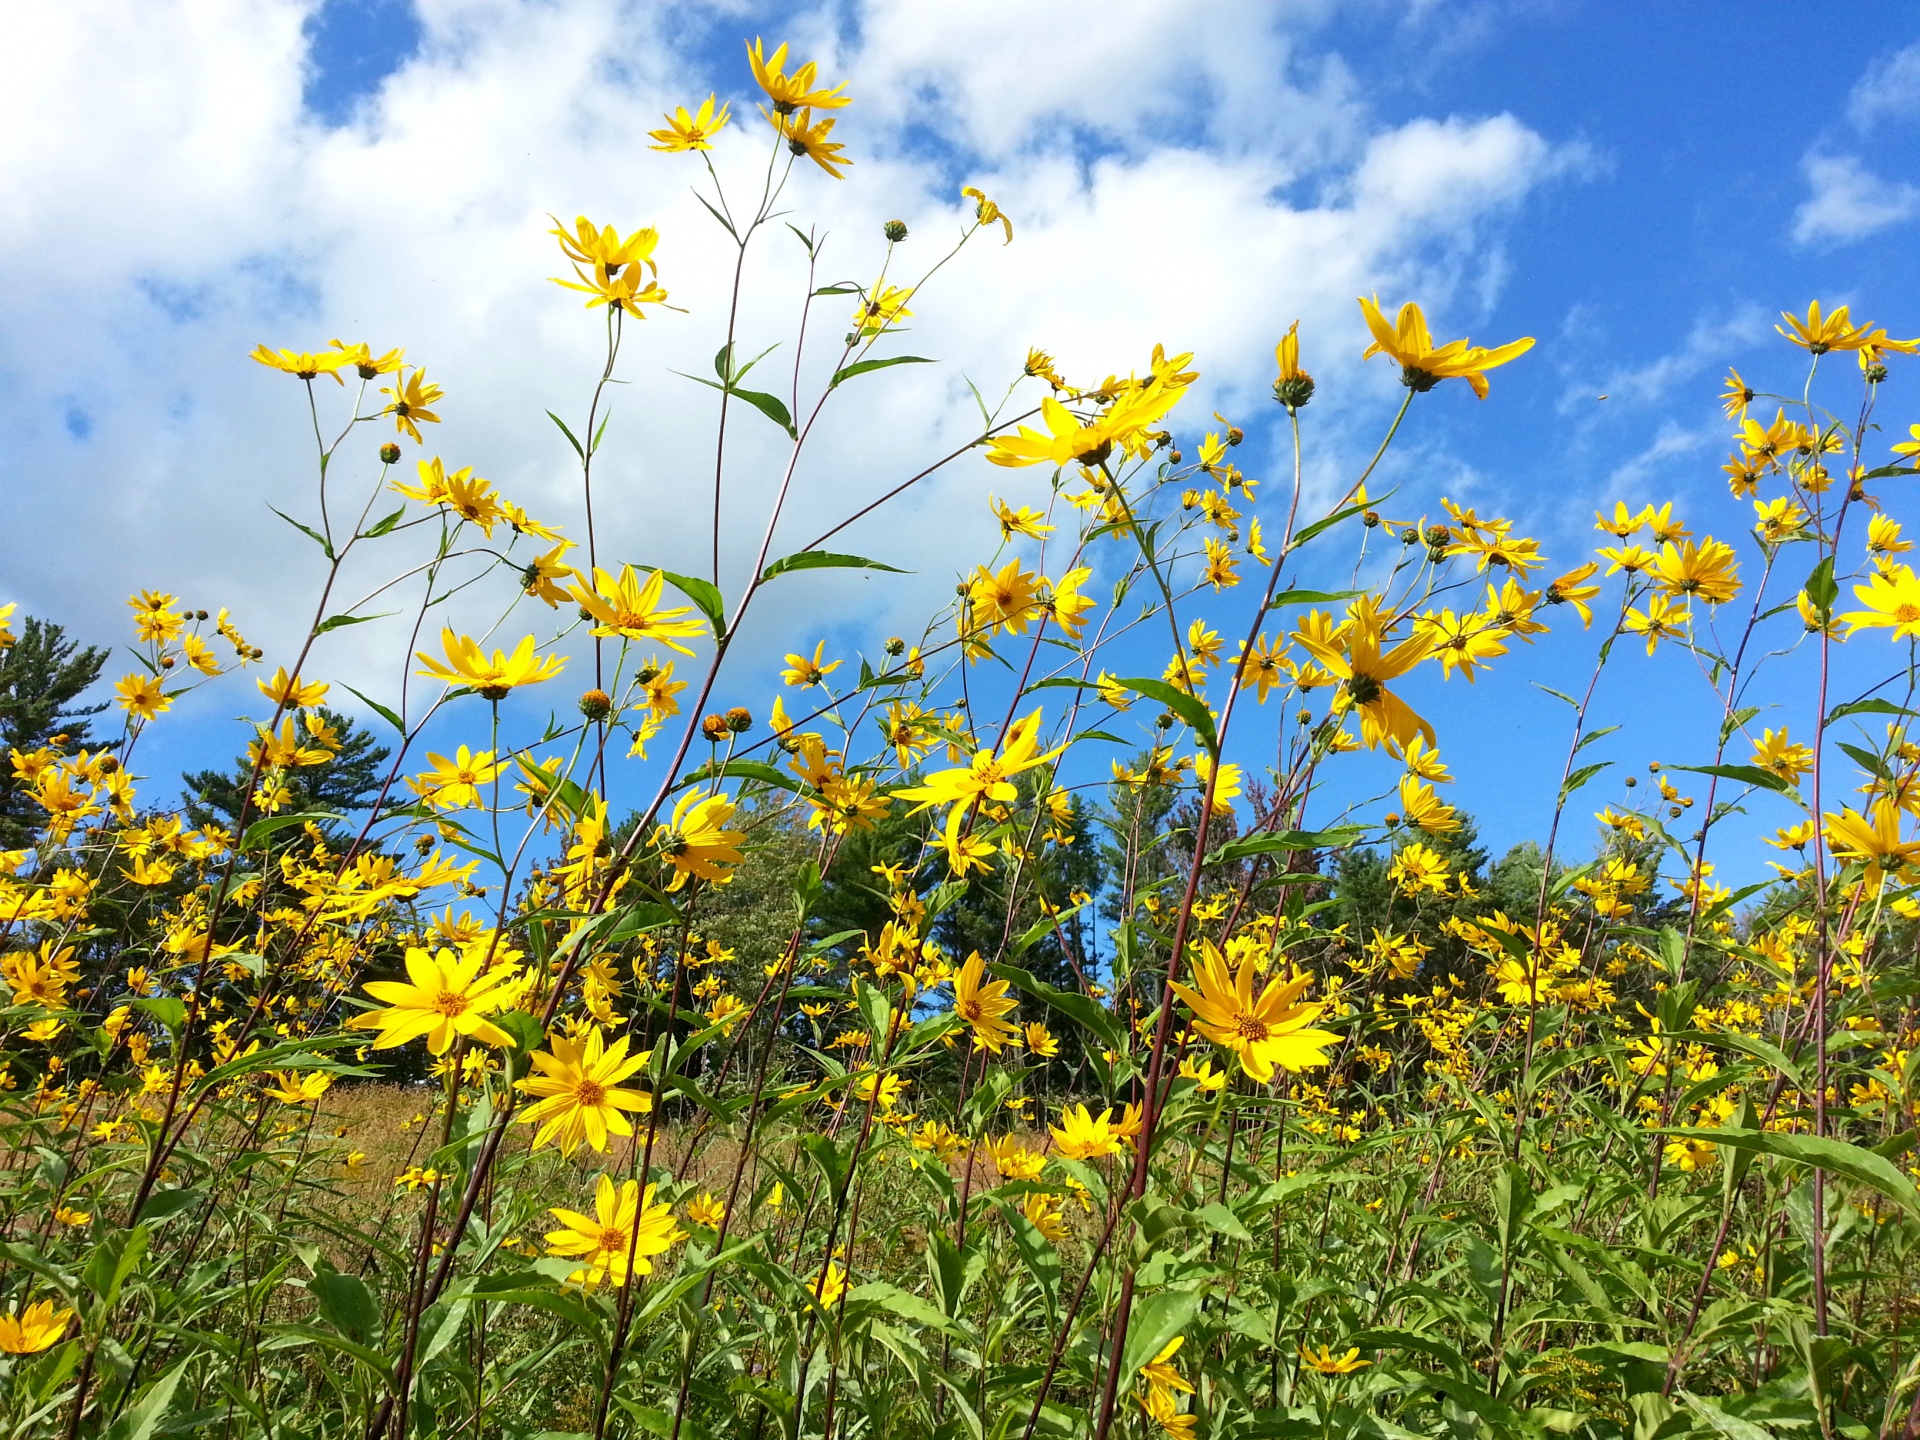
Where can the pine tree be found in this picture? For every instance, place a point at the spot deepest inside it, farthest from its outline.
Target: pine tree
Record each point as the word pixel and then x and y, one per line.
pixel 41 674
pixel 347 782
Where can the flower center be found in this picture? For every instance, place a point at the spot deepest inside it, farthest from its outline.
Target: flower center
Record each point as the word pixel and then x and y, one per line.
pixel 1250 1028
pixel 450 1003
pixel 589 1094
pixel 1907 614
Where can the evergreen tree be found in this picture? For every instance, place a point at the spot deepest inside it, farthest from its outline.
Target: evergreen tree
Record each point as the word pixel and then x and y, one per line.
pixel 41 674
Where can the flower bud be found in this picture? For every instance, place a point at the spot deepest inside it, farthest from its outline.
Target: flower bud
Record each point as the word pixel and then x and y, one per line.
pixel 714 727
pixel 1294 391
pixel 166 662
pixel 1436 553
pixel 894 230
pixel 739 719
pixel 596 705
pixel 199 614
pixel 1393 817
pixel 1631 782
pixel 647 674
pixel 1438 535
pixel 1876 374
pixel 1163 721
pixel 389 454
pixel 1175 456
pixel 1305 717
pixel 1371 519
pixel 1235 435
pixel 896 646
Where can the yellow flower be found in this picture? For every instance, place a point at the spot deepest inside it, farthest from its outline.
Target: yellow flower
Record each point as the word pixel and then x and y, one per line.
pixel 802 672
pixel 292 1088
pixel 1788 761
pixel 67 1215
pixel 1041 1041
pixel 291 691
pixel 625 1229
pixel 411 397
pixel 1664 619
pixel 1421 365
pixel 34 1330
pixel 1080 1136
pixel 707 1210
pixel 1018 522
pixel 1424 808
pixel 1065 602
pixel 1737 395
pixel 988 776
pixel 580 1093
pixel 1043 1209
pixel 1873 838
pixel 985 212
pixel 1706 569
pixel 696 843
pixel 881 307
pixel 810 140
pixel 1817 334
pixel 1294 387
pixel 1164 1410
pixel 602 249
pixel 828 1286
pixel 1355 658
pixel 455 784
pixel 791 92
pixel 1327 1363
pixel 1460 642
pixel 468 664
pixel 1161 1373
pixel 1066 440
pixel 686 132
pixel 1691 1155
pixel 141 695
pixel 1265 1030
pixel 983 1004
pixel 448 997
pixel 1892 598
pixel 301 364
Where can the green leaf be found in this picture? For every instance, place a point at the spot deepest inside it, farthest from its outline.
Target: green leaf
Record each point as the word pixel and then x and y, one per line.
pixel 1311 597
pixel 1156 1320
pixel 169 1010
pixel 772 407
pixel 1189 708
pixel 905 1304
pixel 863 366
pixel 1866 707
pixel 338 622
pixel 347 1304
pixel 1286 841
pixel 1581 777
pixel 741 770
pixel 143 1419
pixel 260 829
pixel 165 1204
pixel 569 434
pixel 382 711
pixel 1820 586
pixel 703 593
pixel 1324 524
pixel 307 530
pixel 824 560
pixel 1083 1010
pixel 1834 1156
pixel 384 525
pixel 1745 774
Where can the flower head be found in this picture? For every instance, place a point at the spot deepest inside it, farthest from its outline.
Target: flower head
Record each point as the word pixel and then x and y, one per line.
pixel 33 1330
pixel 791 92
pixel 444 997
pixel 686 132
pixel 1422 365
pixel 580 1096
pixel 1266 1030
pixel 619 1238
pixel 495 676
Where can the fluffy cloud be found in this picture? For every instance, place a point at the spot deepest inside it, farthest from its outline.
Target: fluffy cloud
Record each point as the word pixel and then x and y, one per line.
pixel 168 205
pixel 1889 90
pixel 1849 202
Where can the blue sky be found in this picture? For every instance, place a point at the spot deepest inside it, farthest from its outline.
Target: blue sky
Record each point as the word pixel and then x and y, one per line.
pixel 1642 191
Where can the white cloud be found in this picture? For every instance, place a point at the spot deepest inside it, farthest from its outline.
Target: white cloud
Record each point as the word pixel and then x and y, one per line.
pixel 1653 383
pixel 164 206
pixel 1890 89
pixel 1849 201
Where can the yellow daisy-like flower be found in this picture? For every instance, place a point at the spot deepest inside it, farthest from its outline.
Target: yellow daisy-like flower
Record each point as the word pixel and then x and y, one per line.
pixel 791 92
pixel 686 132
pixel 1327 1363
pixel 34 1330
pixel 1081 1135
pixel 580 1093
pixel 1892 599
pixel 448 997
pixel 619 1238
pixel 1268 1030
pixel 495 676
pixel 984 1005
pixel 630 607
pixel 1422 364
pixel 696 843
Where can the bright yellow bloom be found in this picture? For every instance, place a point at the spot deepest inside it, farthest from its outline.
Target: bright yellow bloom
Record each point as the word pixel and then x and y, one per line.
pixel 1066 440
pixel 1883 537
pixel 602 249
pixel 985 212
pixel 989 775
pixel 412 396
pixel 802 672
pixel 1327 1363
pixel 580 1093
pixel 37 1329
pixel 291 691
pixel 882 307
pixel 1005 600
pixel 1737 395
pixel 1043 1209
pixel 791 92
pixel 829 1286
pixel 810 140
pixel 1892 598
pixel 449 996
pixel 1421 365
pixel 1355 658
pixel 1706 569
pixel 1067 605
pixel 686 132
pixel 1664 619
pixel 697 843
pixel 630 608
pixel 1265 1030
pixel 291 1088
pixel 1460 642
pixel 625 1228
pixel 301 364
pixel 1162 1373
pixel 1873 838
pixel 984 1005
pixel 708 1210
pixel 1422 807
pixel 1018 522
pixel 468 664
pixel 1081 1136
pixel 1817 334
pixel 141 695
pixel 1040 1041
pixel 455 784
pixel 1774 752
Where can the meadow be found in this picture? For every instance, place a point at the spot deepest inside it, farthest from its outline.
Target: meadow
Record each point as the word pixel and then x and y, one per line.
pixel 1023 1030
